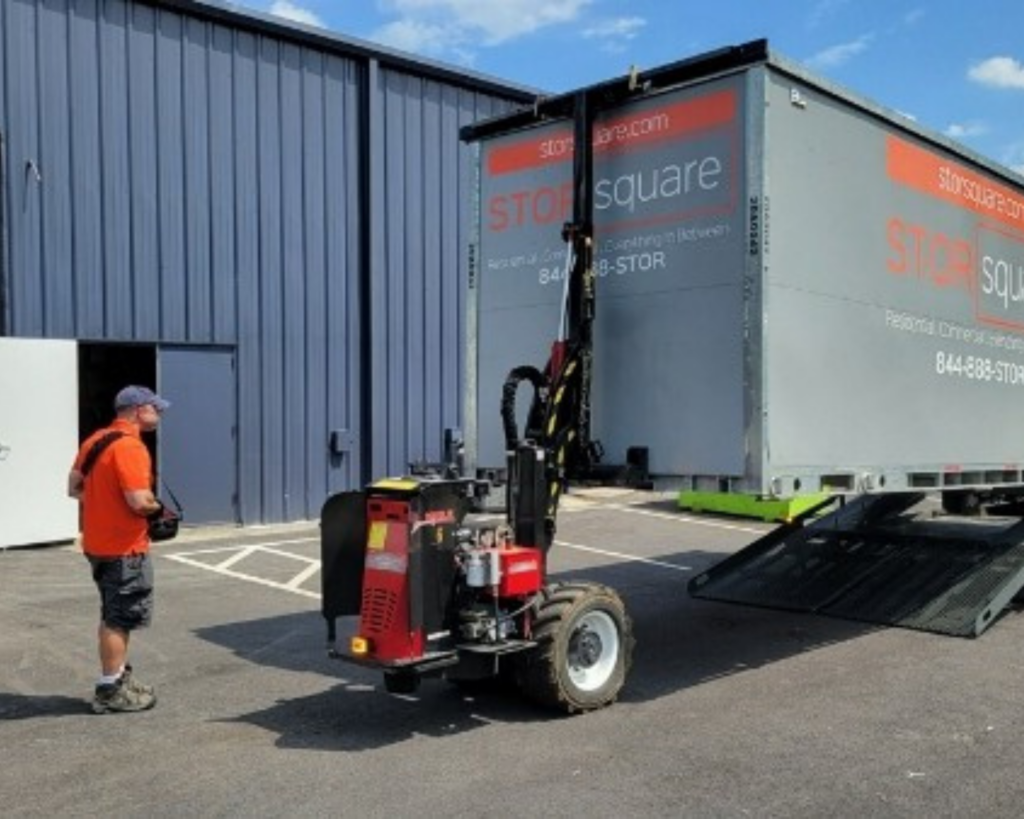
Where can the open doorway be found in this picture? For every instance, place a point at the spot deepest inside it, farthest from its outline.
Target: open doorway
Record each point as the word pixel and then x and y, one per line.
pixel 103 369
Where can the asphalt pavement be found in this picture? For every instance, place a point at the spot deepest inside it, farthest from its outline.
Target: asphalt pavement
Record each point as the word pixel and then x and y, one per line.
pixel 728 710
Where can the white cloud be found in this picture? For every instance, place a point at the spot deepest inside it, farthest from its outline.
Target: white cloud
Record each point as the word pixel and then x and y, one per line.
pixel 913 17
pixel 477 21
pixel 966 130
pixel 419 37
pixel 615 34
pixel 624 27
pixel 837 55
pixel 998 72
pixel 297 14
pixel 822 10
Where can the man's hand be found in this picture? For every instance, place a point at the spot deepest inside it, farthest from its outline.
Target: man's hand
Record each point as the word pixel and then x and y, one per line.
pixel 143 502
pixel 159 512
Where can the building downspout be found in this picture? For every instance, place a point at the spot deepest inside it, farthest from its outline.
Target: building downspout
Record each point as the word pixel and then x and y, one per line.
pixel 369 241
pixel 4 302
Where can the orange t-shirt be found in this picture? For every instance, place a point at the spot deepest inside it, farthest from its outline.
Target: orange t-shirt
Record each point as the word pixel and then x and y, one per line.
pixel 109 526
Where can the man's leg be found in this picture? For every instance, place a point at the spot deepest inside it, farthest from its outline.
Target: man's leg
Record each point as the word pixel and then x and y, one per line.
pixel 126 591
pixel 113 649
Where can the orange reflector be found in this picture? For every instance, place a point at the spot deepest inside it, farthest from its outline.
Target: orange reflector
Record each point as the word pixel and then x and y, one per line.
pixel 359 646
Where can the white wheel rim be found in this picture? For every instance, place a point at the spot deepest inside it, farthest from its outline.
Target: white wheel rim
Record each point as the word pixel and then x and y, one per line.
pixel 593 651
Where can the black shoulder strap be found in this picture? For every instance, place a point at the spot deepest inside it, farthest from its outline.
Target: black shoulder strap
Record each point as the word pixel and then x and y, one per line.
pixel 97 450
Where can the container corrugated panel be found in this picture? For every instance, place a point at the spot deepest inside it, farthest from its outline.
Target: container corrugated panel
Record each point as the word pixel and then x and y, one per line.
pixel 182 175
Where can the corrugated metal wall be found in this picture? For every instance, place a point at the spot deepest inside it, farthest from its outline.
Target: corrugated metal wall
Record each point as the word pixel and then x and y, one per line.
pixel 421 190
pixel 199 180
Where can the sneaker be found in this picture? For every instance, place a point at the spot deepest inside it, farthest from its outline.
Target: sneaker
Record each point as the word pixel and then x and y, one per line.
pixel 129 679
pixel 120 697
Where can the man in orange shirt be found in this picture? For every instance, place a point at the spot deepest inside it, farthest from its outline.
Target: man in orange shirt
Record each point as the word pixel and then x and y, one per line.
pixel 115 487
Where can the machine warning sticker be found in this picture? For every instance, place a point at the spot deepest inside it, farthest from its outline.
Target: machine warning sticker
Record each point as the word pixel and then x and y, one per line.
pixel 387 562
pixel 378 535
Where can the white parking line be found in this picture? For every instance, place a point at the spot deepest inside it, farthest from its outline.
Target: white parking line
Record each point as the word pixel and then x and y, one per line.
pixel 237 546
pixel 628 558
pixel 713 524
pixel 231 561
pixel 241 551
pixel 303 576
pixel 238 552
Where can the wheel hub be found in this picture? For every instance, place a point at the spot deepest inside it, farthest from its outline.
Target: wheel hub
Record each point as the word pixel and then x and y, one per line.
pixel 585 648
pixel 593 651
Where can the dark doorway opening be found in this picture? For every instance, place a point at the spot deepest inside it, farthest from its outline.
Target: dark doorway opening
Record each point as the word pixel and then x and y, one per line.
pixel 103 369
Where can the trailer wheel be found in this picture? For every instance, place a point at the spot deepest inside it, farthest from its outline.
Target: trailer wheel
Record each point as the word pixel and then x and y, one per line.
pixel 963 502
pixel 584 648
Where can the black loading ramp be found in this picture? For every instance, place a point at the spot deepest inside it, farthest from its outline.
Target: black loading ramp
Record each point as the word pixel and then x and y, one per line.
pixel 879 559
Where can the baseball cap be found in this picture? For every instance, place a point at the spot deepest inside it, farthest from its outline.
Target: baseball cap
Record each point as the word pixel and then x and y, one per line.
pixel 135 396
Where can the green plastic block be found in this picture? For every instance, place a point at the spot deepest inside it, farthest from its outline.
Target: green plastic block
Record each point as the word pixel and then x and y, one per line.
pixel 781 510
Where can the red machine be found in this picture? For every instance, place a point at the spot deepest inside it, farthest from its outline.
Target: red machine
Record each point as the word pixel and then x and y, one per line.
pixel 439 595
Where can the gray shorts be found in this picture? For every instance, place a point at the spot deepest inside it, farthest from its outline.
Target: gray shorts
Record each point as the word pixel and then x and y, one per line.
pixel 126 590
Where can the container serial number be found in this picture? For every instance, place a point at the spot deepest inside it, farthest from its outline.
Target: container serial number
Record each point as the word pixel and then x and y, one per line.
pixel 979 368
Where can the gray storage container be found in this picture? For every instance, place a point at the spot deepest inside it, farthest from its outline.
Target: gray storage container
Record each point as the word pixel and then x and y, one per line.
pixel 797 289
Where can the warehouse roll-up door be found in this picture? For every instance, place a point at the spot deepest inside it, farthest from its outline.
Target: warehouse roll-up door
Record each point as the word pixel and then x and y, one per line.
pixel 197 454
pixel 38 440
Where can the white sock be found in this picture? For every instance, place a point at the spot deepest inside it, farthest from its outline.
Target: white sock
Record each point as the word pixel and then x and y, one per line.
pixel 109 679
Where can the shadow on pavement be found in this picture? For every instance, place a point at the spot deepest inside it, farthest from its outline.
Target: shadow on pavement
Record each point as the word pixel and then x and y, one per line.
pixel 681 643
pixel 362 718
pixel 31 706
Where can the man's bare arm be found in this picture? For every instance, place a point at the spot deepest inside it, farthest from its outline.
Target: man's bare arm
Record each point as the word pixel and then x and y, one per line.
pixel 76 484
pixel 142 502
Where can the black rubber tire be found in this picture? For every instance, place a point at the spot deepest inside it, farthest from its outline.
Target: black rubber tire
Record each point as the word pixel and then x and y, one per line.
pixel 963 502
pixel 550 674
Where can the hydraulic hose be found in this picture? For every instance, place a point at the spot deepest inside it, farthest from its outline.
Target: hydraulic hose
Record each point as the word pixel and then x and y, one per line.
pixel 508 402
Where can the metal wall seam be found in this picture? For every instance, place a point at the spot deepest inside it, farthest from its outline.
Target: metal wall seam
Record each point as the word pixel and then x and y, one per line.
pixel 114 123
pixel 5 201
pixel 57 253
pixel 171 204
pixel 294 285
pixel 24 234
pixel 312 336
pixel 271 284
pixel 144 144
pixel 346 318
pixel 246 227
pixel 223 138
pixel 197 319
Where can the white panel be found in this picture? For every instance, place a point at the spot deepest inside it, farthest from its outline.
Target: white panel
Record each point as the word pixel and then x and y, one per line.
pixel 38 440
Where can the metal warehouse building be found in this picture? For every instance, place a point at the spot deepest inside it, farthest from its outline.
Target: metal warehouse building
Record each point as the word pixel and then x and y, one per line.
pixel 266 222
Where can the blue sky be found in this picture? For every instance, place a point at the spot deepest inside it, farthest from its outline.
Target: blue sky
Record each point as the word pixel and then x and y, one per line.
pixel 955 66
